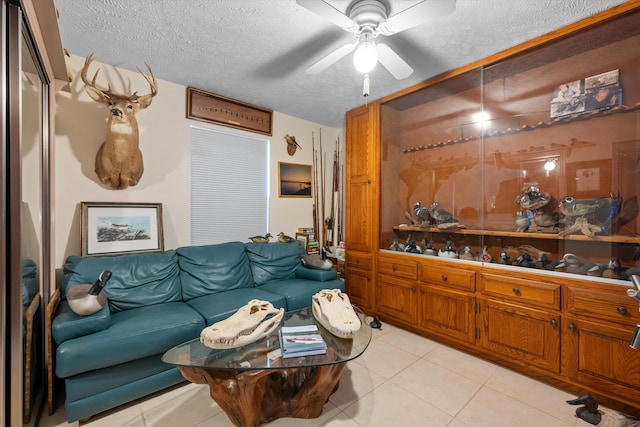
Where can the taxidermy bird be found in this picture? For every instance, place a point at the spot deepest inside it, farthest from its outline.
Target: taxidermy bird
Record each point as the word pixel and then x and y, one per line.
pixel 573 208
pixel 546 219
pixel 440 215
pixel 292 145
pixel 260 239
pixel 88 299
pixel 284 238
pixel 423 214
pixel 603 418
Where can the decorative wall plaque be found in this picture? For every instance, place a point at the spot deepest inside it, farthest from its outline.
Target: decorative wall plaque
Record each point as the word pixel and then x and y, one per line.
pixel 216 109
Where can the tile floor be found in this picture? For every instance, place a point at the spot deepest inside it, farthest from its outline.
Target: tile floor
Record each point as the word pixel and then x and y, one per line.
pixel 401 380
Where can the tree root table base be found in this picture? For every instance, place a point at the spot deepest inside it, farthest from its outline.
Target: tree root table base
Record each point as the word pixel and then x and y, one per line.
pixel 254 397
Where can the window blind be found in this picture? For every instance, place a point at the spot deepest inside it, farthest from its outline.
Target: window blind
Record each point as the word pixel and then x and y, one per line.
pixel 229 186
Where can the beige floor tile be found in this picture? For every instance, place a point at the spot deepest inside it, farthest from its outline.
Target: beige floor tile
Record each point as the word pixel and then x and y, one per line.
pixel 410 342
pixel 534 393
pixel 188 408
pixel 457 423
pixel 464 364
pixel 356 381
pixel 390 405
pixel 439 386
pixel 328 412
pixel 385 359
pixel 489 408
pixel 124 416
pixel 341 420
pixel 58 419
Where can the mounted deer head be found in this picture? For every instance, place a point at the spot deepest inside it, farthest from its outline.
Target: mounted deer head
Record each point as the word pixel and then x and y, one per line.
pixel 119 160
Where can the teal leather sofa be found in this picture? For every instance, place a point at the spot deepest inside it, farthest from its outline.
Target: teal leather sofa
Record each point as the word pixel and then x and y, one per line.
pixel 157 301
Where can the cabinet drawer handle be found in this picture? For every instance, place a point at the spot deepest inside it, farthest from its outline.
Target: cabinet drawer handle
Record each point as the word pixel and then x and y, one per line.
pixel 444 278
pixel 394 267
pixel 516 291
pixel 572 327
pixel 357 261
pixel 413 289
pixel 622 310
pixel 554 323
pixel 421 291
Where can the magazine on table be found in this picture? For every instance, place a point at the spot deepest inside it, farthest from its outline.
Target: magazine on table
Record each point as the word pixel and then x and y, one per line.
pixel 297 341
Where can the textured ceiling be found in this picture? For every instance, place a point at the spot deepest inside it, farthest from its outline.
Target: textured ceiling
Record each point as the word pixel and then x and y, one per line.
pixel 256 51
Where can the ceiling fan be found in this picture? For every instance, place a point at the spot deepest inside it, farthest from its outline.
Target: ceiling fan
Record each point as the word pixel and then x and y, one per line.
pixel 367 19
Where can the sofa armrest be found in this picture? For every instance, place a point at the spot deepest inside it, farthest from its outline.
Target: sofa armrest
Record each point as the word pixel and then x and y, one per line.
pixel 68 325
pixel 303 272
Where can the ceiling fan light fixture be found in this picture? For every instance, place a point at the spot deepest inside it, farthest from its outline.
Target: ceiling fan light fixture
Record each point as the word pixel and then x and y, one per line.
pixel 365 57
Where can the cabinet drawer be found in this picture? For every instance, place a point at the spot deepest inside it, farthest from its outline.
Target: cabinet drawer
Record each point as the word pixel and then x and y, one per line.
pixel 613 305
pixel 359 260
pixel 398 267
pixel 449 277
pixel 523 290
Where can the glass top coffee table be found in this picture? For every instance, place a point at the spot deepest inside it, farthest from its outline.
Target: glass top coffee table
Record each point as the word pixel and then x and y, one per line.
pixel 253 384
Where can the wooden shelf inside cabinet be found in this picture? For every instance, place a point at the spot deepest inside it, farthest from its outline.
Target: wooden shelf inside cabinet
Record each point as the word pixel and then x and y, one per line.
pixel 524 235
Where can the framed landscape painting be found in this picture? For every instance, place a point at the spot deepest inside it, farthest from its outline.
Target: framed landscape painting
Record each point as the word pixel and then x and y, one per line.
pixel 294 180
pixel 121 228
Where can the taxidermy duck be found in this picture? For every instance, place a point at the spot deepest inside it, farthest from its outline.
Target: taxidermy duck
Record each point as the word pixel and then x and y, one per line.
pixel 283 238
pixel 292 145
pixel 88 299
pixel 396 246
pixel 573 208
pixel 430 249
pixel 614 269
pixel 602 418
pixel 423 214
pixel 439 215
pixel 546 219
pixel 260 239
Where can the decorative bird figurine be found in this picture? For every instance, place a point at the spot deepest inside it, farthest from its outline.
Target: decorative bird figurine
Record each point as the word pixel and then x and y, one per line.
pixel 260 239
pixel 292 145
pixel 573 208
pixel 448 251
pixel 87 299
pixel 440 215
pixel 423 214
pixel 283 238
pixel 603 418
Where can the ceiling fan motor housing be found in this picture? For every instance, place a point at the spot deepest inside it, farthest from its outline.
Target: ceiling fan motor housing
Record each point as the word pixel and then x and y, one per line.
pixel 368 14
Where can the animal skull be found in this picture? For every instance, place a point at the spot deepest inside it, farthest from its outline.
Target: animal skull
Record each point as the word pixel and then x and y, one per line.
pixel 250 323
pixel 333 310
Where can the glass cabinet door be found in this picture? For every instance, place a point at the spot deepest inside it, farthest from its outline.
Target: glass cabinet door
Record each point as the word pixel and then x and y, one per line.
pixel 530 161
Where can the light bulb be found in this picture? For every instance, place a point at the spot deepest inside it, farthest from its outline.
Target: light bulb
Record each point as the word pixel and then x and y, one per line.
pixel 550 165
pixel 365 57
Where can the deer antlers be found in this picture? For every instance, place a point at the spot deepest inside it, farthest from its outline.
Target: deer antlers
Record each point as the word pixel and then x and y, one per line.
pixel 151 79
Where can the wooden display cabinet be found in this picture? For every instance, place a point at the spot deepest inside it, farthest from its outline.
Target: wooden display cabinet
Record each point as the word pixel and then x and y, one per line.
pixel 568 325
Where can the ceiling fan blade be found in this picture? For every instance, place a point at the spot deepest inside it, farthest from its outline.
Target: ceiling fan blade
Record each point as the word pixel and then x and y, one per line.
pixel 331 59
pixel 392 62
pixel 327 11
pixel 416 15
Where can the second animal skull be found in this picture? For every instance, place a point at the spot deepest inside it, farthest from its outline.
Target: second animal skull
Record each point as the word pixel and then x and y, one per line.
pixel 119 159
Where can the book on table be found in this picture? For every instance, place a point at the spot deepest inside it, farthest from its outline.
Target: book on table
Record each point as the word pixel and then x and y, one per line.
pixel 298 341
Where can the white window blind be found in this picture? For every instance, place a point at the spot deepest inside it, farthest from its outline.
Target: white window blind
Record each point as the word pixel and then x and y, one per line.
pixel 229 186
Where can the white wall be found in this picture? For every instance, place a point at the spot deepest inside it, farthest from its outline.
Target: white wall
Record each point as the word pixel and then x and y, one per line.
pixel 164 142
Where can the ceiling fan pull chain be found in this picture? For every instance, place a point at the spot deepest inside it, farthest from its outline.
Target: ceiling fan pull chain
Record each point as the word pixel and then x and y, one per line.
pixel 367 86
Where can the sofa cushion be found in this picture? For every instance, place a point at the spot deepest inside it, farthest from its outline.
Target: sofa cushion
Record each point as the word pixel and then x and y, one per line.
pixel 29 281
pixel 68 325
pixel 213 268
pixel 217 307
pixel 298 292
pixel 274 261
pixel 315 274
pixel 133 334
pixel 138 280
